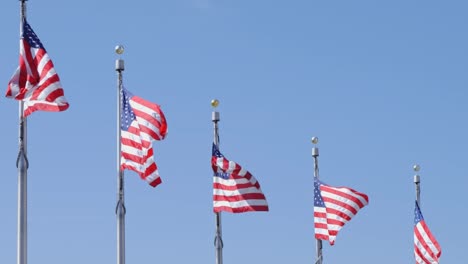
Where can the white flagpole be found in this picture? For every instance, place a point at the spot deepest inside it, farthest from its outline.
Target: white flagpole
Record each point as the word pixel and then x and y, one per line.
pixel 315 154
pixel 120 208
pixel 218 241
pixel 417 182
pixel 22 165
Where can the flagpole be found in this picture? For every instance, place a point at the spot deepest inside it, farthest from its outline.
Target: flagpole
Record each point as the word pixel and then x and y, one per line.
pixel 120 208
pixel 315 154
pixel 417 182
pixel 22 165
pixel 218 241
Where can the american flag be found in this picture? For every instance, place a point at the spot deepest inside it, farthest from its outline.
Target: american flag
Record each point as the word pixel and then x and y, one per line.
pixel 235 190
pixel 426 248
pixel 35 82
pixel 333 208
pixel 142 122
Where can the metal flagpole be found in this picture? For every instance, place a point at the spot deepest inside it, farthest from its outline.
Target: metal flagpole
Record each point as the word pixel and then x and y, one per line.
pixel 417 182
pixel 120 208
pixel 22 165
pixel 218 241
pixel 315 154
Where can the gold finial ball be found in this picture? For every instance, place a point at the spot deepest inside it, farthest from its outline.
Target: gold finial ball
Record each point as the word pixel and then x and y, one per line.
pixel 416 167
pixel 119 49
pixel 314 140
pixel 214 103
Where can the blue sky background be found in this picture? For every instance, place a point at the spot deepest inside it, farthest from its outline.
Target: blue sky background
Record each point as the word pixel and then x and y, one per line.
pixel 383 85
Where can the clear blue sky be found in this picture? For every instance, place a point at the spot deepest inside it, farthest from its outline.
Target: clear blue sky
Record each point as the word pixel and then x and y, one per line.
pixel 383 85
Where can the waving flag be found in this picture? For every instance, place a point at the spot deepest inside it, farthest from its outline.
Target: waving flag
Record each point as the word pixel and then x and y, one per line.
pixel 235 190
pixel 142 122
pixel 35 82
pixel 426 248
pixel 333 208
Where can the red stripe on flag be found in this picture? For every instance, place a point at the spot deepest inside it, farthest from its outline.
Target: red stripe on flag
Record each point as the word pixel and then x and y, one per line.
pixel 156 182
pixel 237 198
pixel 236 187
pixel 253 208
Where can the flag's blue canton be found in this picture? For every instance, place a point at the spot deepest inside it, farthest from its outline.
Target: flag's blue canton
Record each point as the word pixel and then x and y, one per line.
pixel 127 116
pixel 217 154
pixel 318 200
pixel 31 37
pixel 418 217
